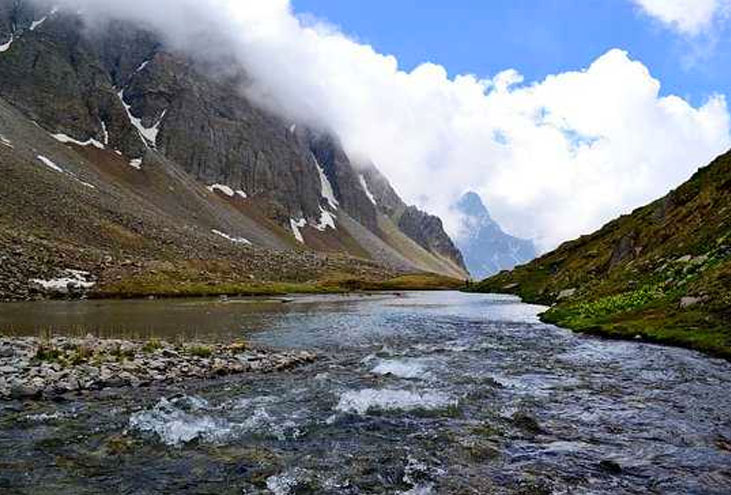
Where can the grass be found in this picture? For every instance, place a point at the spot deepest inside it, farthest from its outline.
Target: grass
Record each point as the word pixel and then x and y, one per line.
pixel 172 284
pixel 200 351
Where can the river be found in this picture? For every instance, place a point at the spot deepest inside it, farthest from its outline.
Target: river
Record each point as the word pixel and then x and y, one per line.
pixel 415 393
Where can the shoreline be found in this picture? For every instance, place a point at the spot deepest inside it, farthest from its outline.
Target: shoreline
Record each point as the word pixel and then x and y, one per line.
pixel 663 329
pixel 38 368
pixel 179 289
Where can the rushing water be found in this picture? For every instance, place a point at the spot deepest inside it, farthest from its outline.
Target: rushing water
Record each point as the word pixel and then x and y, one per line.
pixel 426 393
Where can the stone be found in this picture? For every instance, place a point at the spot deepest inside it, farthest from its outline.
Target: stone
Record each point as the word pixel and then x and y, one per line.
pixel 610 467
pixel 24 391
pixel 687 302
pixel 566 294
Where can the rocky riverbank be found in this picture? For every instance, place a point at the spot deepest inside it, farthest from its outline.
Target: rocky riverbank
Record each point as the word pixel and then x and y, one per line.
pixel 46 368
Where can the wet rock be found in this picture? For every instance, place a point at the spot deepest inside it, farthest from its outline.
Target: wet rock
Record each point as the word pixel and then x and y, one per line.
pixel 610 467
pixel 528 423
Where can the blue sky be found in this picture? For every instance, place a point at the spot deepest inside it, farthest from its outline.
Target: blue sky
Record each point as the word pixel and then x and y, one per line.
pixel 535 37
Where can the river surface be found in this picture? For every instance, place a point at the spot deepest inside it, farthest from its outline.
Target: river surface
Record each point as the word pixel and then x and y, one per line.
pixel 415 394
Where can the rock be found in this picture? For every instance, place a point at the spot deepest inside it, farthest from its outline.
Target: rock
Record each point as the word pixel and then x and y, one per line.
pixel 684 259
pixel 687 302
pixel 566 294
pixel 24 391
pixel 26 378
pixel 610 467
pixel 526 422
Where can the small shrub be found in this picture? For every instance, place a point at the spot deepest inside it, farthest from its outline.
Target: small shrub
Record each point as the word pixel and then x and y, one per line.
pixel 48 353
pixel 81 355
pixel 122 354
pixel 200 351
pixel 151 346
pixel 238 347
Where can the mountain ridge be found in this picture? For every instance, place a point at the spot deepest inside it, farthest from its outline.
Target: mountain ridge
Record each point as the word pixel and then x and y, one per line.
pixel 115 107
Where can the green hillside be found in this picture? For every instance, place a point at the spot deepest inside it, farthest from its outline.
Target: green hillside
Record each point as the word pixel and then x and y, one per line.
pixel 661 274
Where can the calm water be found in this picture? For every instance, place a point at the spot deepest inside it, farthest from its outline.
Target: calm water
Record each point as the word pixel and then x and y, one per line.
pixel 434 393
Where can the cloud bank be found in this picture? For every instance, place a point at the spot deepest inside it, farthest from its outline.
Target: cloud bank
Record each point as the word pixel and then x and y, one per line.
pixel 553 159
pixel 687 16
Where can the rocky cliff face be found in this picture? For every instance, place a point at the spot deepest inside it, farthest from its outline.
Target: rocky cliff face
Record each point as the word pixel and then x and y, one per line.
pixel 118 96
pixel 424 229
pixel 486 248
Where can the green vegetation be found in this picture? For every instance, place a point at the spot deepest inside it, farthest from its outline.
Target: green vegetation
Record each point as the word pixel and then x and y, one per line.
pixel 151 346
pixel 618 303
pixel 200 351
pixel 48 354
pixel 180 284
pixel 661 274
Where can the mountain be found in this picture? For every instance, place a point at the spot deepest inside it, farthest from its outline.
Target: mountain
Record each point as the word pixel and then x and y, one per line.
pixel 661 274
pixel 488 250
pixel 152 170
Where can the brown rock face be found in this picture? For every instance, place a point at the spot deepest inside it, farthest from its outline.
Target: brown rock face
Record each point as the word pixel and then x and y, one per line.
pixel 120 86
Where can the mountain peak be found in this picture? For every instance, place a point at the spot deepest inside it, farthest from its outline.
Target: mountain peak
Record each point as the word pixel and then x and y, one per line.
pixel 487 249
pixel 471 204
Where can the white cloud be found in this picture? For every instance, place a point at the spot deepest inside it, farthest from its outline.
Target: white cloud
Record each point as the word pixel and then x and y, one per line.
pixel 687 16
pixel 553 159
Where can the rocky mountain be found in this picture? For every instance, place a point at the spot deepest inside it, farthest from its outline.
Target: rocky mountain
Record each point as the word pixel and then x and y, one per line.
pixel 661 274
pixel 488 250
pixel 115 147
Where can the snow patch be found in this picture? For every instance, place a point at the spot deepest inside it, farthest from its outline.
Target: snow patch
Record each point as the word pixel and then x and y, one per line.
pixel 105 132
pixel 5 142
pixel 136 163
pixel 37 24
pixel 292 128
pixel 86 184
pixel 148 134
pixel 327 219
pixel 367 191
pixel 242 194
pixel 326 187
pixel 365 400
pixel 296 226
pixel 222 189
pixel 142 66
pixel 48 163
pixel 5 47
pixel 63 138
pixel 72 279
pixel 237 240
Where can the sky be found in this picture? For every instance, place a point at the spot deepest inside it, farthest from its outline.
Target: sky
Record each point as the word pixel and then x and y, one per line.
pixel 535 37
pixel 561 114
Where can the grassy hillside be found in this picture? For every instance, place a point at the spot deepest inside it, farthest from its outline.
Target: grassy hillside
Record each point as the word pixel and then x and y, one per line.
pixel 661 274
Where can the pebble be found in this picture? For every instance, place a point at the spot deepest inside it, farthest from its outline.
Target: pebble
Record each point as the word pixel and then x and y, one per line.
pixel 94 364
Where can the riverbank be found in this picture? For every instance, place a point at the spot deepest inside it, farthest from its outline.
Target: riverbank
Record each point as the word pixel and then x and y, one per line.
pixel 167 286
pixel 641 315
pixel 171 283
pixel 32 367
